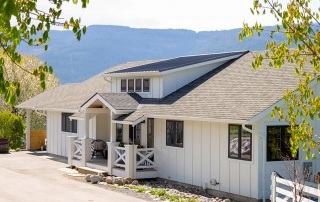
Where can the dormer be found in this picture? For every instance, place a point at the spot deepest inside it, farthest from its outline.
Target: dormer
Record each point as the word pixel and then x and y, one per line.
pixel 160 78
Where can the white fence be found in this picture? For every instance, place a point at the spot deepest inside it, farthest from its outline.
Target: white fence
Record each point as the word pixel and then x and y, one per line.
pixel 120 157
pixel 145 158
pixel 285 189
pixel 78 153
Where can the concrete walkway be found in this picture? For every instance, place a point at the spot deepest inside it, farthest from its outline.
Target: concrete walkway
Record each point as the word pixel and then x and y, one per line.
pixel 34 176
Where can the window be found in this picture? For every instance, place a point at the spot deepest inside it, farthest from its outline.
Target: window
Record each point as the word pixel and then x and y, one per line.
pixel 137 134
pixel 174 133
pixel 123 85
pixel 130 85
pixel 239 143
pixel 119 132
pixel 278 146
pixel 146 85
pixel 150 133
pixel 138 85
pixel 67 125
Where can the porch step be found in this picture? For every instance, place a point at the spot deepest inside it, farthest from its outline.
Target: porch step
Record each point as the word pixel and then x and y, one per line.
pixel 92 171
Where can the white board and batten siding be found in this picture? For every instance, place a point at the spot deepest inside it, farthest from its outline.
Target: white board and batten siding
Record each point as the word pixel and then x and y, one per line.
pixel 57 142
pixel 204 156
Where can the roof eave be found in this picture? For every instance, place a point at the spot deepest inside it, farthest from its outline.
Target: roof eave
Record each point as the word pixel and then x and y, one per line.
pixel 132 74
pixel 235 121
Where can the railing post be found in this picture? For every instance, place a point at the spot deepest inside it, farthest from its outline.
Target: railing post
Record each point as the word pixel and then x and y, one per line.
pixel 71 148
pixel 135 149
pixel 111 155
pixel 86 151
pixel 273 187
pixel 129 161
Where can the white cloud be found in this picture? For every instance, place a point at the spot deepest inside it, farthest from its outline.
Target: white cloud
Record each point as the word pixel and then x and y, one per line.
pixel 198 15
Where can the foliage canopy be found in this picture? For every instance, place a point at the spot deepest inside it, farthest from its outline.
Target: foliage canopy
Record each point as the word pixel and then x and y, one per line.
pixel 299 24
pixel 12 127
pixel 22 22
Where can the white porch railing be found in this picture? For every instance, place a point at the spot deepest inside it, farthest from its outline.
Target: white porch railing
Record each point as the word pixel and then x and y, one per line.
pixel 120 157
pixel 280 186
pixel 78 153
pixel 145 158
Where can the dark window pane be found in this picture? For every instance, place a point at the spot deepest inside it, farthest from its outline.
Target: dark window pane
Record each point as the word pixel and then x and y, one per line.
pixel 123 85
pixel 278 143
pixel 74 126
pixel 130 85
pixel 150 133
pixel 239 143
pixel 137 134
pixel 273 143
pixel 174 136
pixel 119 132
pixel 233 141
pixel 138 85
pixel 179 134
pixel 146 85
pixel 245 145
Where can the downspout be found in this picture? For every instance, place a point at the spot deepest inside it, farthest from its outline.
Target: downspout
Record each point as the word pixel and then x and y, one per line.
pixel 263 156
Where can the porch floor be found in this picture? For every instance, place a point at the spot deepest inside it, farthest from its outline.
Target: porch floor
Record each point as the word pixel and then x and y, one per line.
pixel 98 163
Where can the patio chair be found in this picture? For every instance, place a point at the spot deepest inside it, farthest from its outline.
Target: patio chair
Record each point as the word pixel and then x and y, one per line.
pixel 98 146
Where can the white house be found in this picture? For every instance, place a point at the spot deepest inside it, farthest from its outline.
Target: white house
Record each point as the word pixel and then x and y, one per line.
pixel 190 114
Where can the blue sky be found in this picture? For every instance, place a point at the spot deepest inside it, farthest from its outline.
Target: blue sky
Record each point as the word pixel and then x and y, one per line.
pixel 198 15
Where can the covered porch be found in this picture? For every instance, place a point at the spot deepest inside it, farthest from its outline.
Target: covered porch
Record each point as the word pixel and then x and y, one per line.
pixel 128 151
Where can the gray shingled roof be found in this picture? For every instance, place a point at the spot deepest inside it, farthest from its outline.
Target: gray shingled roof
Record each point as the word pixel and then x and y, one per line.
pixel 72 96
pixel 122 101
pixel 176 63
pixel 232 91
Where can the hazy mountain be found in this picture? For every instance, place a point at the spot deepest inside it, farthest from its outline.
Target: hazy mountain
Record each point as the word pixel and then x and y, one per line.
pixel 105 46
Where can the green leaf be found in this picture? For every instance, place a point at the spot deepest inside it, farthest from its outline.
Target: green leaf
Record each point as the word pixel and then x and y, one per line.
pixel 8 8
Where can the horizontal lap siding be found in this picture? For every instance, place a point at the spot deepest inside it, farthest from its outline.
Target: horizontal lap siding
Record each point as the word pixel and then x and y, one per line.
pixel 205 157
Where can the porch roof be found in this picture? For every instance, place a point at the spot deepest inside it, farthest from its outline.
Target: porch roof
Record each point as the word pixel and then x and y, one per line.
pixel 233 92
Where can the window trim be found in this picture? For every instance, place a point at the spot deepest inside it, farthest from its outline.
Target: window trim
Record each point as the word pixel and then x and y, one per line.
pixel 142 87
pixel 176 146
pixel 281 135
pixel 239 141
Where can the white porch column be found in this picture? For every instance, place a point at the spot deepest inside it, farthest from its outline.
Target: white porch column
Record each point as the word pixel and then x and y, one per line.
pixel 86 124
pixel 129 161
pixel 28 130
pixel 71 148
pixel 86 151
pixel 111 155
pixel 112 134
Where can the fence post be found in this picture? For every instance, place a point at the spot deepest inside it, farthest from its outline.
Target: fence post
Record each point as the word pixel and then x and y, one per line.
pixel 71 149
pixel 129 161
pixel 135 149
pixel 111 155
pixel 273 187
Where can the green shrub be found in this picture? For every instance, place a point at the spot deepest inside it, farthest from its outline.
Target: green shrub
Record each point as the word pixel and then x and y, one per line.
pixel 13 128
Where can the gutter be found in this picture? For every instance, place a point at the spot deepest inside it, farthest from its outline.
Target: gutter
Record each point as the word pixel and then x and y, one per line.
pixel 263 156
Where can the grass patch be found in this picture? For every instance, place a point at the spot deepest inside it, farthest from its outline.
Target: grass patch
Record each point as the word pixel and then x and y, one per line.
pixel 141 189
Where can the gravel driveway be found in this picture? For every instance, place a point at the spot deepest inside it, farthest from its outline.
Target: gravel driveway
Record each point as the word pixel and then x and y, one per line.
pixel 34 176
